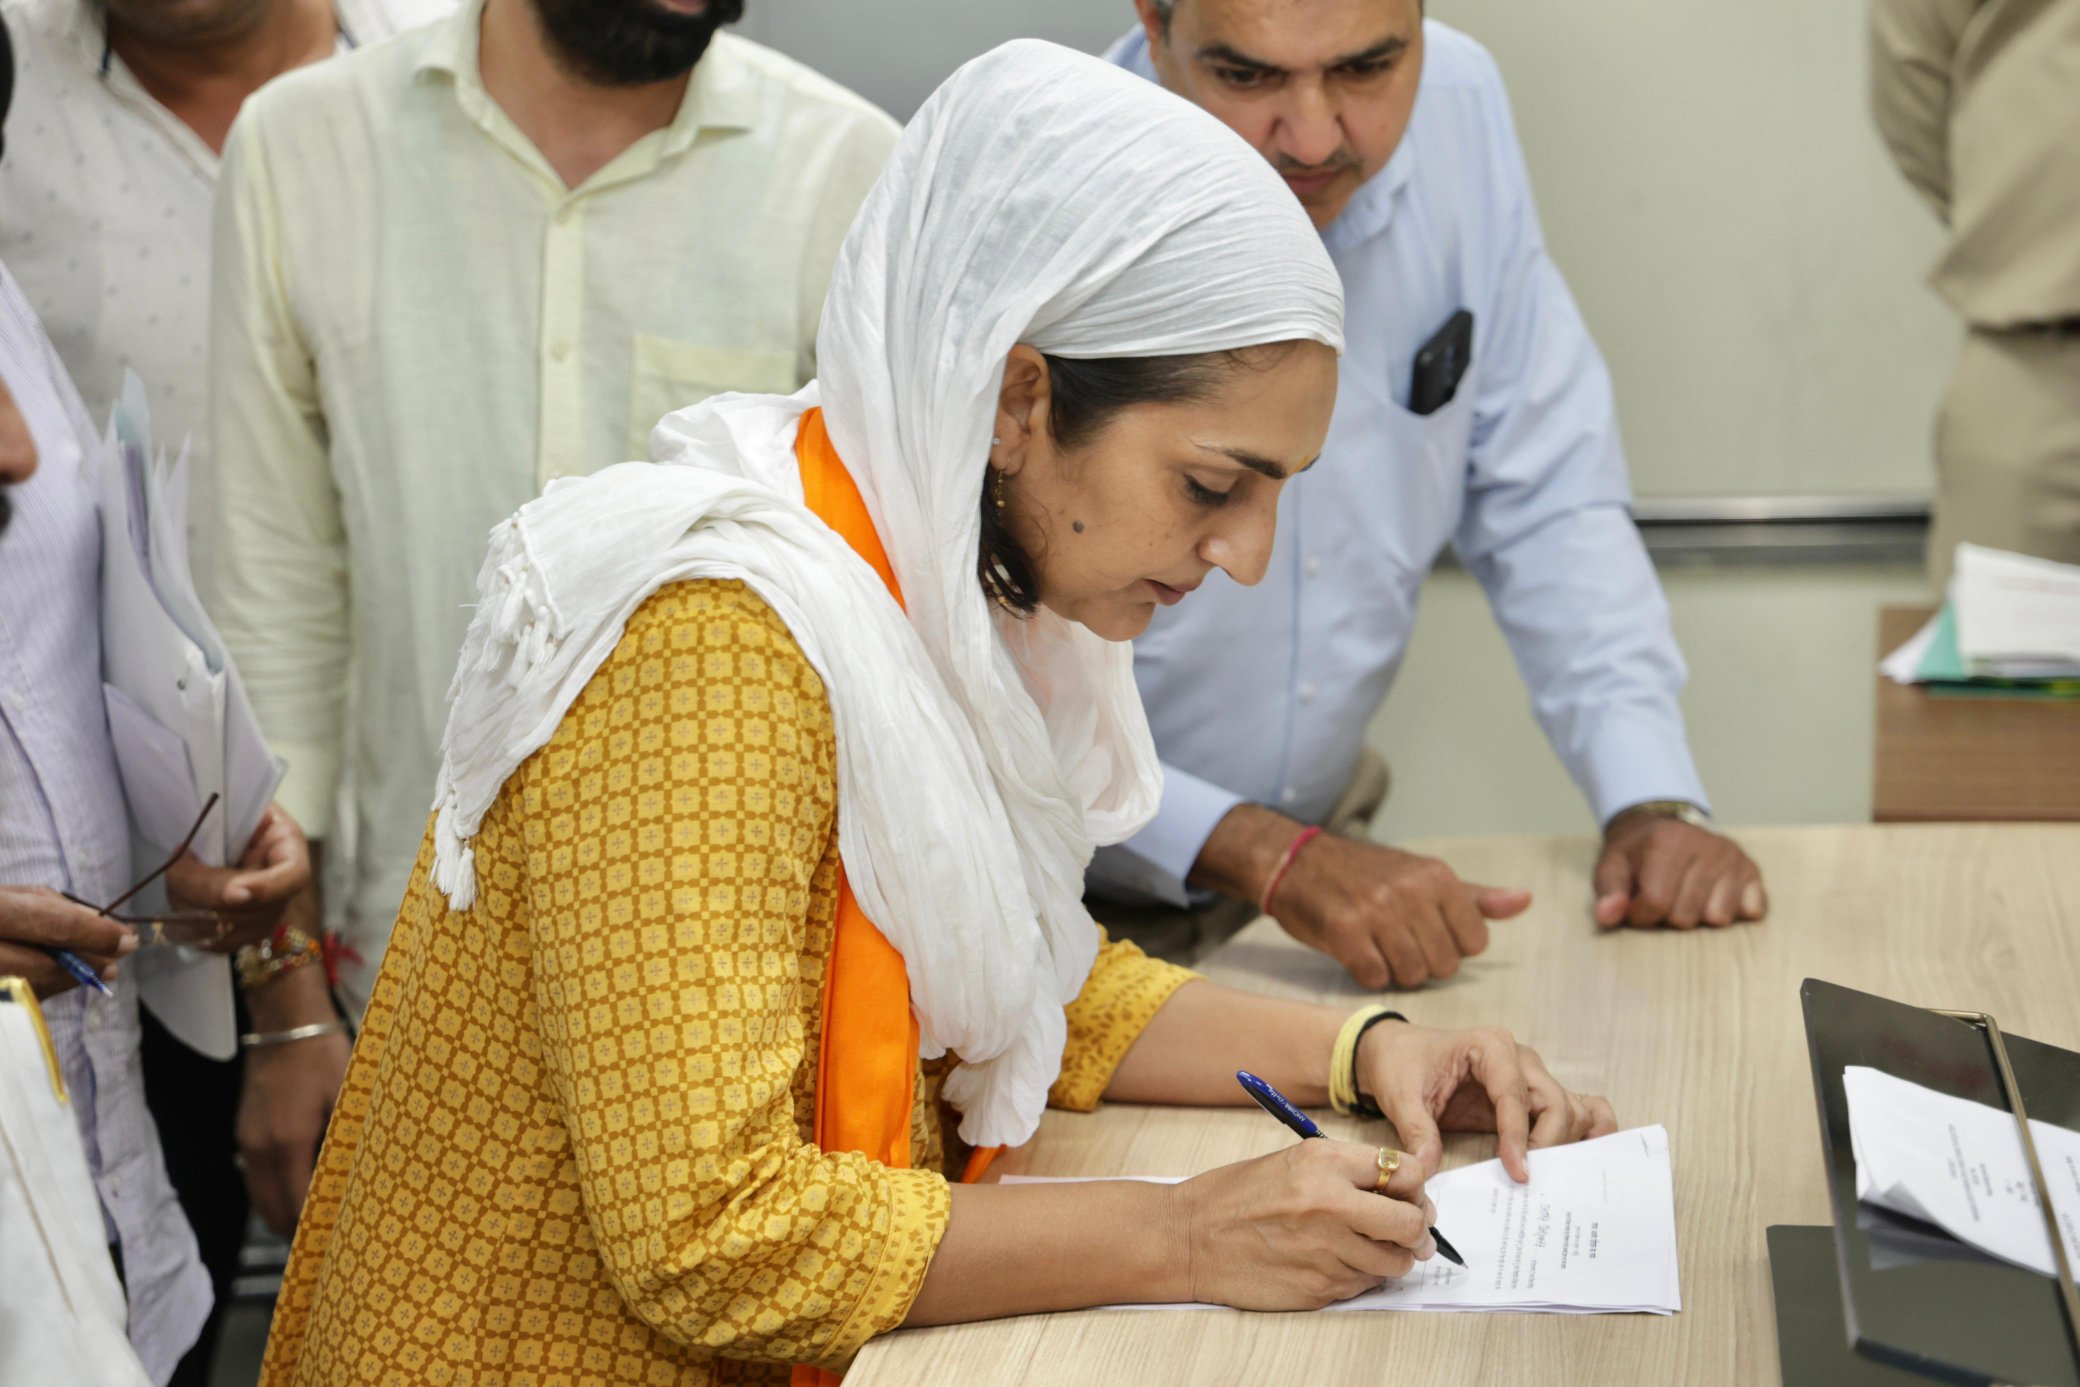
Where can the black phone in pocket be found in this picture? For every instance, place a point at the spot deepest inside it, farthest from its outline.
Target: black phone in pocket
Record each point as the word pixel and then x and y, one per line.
pixel 1441 364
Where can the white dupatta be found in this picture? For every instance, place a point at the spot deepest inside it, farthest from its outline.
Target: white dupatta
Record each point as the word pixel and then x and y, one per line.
pixel 1040 196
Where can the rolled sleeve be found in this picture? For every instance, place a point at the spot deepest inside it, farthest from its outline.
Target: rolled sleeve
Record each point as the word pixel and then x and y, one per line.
pixel 1913 44
pixel 1157 861
pixel 1122 995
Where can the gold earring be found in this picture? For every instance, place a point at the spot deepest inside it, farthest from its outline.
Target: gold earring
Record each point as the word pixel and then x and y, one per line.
pixel 996 487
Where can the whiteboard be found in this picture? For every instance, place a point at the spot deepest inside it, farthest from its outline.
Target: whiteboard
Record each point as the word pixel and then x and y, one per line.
pixel 1711 185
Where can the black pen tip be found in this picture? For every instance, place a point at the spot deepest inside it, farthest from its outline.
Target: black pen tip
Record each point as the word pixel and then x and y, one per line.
pixel 1451 1254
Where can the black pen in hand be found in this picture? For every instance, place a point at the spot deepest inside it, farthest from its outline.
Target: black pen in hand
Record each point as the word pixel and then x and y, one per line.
pixel 1280 1107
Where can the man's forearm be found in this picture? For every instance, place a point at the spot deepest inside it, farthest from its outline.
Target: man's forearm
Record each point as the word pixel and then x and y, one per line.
pixel 301 996
pixel 1243 850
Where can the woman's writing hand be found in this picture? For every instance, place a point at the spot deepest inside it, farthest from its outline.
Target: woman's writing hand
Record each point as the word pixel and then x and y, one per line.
pixel 1302 1228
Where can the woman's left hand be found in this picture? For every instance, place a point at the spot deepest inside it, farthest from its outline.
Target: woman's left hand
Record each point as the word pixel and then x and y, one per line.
pixel 1430 1081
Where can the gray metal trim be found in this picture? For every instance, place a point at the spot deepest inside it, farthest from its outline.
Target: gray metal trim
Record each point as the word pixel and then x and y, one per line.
pixel 1743 531
pixel 1770 531
pixel 1726 510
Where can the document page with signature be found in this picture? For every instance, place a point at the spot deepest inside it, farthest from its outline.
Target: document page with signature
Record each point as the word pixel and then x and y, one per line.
pixel 1594 1232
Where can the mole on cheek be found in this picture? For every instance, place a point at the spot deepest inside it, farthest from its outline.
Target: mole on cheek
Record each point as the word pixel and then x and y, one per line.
pixel 1077 525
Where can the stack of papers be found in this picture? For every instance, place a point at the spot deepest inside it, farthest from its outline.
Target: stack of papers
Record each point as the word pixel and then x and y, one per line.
pixel 1961 1166
pixel 2011 627
pixel 182 726
pixel 1594 1233
pixel 178 717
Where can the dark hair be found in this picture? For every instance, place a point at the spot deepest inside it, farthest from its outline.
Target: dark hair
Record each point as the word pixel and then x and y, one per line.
pixel 1084 395
pixel 6 81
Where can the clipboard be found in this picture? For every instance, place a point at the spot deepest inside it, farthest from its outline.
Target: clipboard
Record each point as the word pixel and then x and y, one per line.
pixel 1907 1299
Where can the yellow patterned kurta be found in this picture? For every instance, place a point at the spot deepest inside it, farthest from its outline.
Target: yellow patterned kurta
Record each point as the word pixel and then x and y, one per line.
pixel 575 1142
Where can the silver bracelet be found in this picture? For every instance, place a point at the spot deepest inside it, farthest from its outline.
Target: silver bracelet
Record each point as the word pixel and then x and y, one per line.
pixel 255 1040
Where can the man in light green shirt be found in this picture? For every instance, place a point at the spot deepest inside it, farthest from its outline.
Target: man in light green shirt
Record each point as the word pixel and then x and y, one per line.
pixel 450 269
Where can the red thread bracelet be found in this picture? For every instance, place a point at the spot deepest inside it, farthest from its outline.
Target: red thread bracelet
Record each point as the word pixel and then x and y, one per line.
pixel 1278 873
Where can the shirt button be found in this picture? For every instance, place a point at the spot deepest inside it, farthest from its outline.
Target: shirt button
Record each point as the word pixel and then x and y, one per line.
pixel 1288 795
pixel 1307 693
pixel 564 214
pixel 1313 567
pixel 560 352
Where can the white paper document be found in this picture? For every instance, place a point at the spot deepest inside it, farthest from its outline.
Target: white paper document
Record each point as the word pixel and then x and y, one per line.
pixel 1961 1166
pixel 178 718
pixel 1593 1233
pixel 2017 615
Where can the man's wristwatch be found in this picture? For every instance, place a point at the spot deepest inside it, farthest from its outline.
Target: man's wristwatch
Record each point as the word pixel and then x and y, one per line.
pixel 1681 809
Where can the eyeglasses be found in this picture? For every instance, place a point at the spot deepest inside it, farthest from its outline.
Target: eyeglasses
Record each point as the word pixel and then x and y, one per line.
pixel 173 926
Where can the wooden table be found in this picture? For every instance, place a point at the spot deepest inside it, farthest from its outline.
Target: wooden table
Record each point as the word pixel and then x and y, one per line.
pixel 1969 758
pixel 1699 1031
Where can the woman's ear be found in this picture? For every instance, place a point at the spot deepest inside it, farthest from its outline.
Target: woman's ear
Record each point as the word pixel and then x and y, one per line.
pixel 1022 402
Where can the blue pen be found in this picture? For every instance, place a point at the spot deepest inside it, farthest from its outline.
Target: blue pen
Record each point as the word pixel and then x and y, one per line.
pixel 1280 1107
pixel 81 973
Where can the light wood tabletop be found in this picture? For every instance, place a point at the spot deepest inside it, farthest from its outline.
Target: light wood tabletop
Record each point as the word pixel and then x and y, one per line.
pixel 1701 1032
pixel 1943 758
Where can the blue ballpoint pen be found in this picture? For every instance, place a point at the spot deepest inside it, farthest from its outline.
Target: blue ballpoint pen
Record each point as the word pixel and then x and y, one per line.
pixel 81 973
pixel 1281 1107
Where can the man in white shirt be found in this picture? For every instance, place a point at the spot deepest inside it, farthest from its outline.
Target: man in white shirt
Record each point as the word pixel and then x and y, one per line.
pixel 106 201
pixel 106 196
pixel 449 270
pixel 1474 410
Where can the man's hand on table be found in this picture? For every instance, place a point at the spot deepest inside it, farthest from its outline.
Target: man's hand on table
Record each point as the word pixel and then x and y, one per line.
pixel 1389 917
pixel 1659 870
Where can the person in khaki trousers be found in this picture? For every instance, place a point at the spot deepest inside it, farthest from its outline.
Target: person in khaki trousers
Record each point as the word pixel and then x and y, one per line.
pixel 1979 102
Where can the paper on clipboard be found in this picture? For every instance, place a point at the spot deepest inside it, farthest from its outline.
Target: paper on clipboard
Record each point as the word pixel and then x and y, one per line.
pixel 1960 1165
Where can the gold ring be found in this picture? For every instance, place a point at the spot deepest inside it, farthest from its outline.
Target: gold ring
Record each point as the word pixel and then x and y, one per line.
pixel 1389 1162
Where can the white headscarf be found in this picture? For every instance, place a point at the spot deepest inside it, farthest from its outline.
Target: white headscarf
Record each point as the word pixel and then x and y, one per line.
pixel 1040 196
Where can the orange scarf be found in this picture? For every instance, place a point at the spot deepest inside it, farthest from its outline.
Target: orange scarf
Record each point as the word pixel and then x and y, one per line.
pixel 866 1071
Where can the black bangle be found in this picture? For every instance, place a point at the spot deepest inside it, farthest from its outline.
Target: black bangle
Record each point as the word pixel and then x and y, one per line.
pixel 1365 1106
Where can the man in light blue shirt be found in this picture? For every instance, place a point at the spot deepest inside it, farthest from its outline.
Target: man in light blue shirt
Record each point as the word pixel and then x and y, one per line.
pixel 1395 134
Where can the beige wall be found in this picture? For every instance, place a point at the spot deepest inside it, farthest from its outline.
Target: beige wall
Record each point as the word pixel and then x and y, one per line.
pixel 1713 188
pixel 1779 705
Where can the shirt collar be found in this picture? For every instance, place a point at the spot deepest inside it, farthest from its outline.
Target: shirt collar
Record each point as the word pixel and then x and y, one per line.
pixel 720 96
pixel 1371 208
pixel 80 25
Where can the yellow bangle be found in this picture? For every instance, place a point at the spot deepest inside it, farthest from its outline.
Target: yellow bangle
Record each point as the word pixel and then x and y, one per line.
pixel 1343 1060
